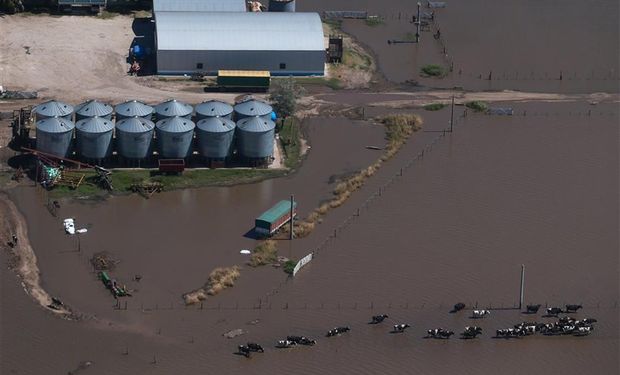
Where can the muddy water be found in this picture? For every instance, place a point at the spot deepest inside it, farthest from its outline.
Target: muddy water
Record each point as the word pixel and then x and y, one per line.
pixel 525 44
pixel 539 190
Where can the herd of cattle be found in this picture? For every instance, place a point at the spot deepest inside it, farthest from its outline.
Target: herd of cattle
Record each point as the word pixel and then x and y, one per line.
pixel 565 325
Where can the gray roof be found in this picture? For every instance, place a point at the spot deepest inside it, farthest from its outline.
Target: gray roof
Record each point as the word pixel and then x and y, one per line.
pixel 235 31
pixel 215 125
pixel 199 5
pixel 214 108
pixel 175 125
pixel 53 108
pixel 173 107
pixel 135 125
pixel 253 108
pixel 95 125
pixel 133 108
pixel 93 108
pixel 55 125
pixel 255 124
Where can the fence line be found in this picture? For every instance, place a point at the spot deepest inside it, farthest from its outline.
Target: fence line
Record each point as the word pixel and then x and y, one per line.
pixel 265 304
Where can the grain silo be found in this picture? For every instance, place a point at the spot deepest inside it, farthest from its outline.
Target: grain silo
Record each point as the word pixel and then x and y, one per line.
pixel 93 108
pixel 133 108
pixel 252 108
pixel 174 137
pixel 133 137
pixel 94 137
pixel 53 108
pixel 281 5
pixel 172 108
pixel 255 138
pixel 213 108
pixel 54 135
pixel 215 137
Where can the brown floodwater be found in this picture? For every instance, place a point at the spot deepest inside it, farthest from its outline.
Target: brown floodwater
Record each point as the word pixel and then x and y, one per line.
pixel 539 189
pixel 525 45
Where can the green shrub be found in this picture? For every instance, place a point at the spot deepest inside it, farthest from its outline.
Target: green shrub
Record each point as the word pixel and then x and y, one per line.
pixel 434 106
pixel 374 21
pixel 432 70
pixel 477 106
pixel 289 266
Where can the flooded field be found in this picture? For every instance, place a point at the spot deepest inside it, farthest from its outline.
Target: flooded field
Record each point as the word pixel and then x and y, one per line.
pixel 539 190
pixel 523 45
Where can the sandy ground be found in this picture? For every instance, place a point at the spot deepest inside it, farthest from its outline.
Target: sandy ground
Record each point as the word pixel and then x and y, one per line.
pixel 24 260
pixel 75 58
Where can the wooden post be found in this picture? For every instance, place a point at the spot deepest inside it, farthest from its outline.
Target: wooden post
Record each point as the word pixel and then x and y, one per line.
pixel 292 235
pixel 521 291
pixel 452 114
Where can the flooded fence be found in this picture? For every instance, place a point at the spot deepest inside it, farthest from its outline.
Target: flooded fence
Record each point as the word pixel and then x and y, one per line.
pixel 266 304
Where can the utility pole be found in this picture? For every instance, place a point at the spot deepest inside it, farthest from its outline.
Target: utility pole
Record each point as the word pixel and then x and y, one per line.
pixel 452 114
pixel 417 25
pixel 522 286
pixel 291 235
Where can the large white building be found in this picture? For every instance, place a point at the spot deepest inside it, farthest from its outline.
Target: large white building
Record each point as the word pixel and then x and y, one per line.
pixel 210 35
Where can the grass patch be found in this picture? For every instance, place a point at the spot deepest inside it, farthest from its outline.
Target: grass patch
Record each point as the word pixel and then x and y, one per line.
pixel 356 60
pixel 434 106
pixel 123 179
pixel 266 252
pixel 477 105
pixel 142 14
pixel 409 36
pixel 106 15
pixel 219 279
pixel 373 21
pixel 290 139
pixel 432 70
pixel 289 266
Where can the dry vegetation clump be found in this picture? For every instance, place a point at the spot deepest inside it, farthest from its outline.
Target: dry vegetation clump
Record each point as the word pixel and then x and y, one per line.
pixel 219 279
pixel 265 252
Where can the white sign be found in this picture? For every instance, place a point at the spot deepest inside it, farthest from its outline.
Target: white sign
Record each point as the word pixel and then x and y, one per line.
pixel 302 262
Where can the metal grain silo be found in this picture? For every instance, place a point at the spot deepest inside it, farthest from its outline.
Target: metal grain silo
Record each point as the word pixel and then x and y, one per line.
pixel 94 137
pixel 133 108
pixel 93 108
pixel 251 108
pixel 281 5
pixel 53 108
pixel 174 137
pixel 255 137
pixel 215 137
pixel 213 108
pixel 133 137
pixel 54 135
pixel 172 108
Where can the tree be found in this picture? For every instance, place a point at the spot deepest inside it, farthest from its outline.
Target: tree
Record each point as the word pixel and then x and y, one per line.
pixel 284 95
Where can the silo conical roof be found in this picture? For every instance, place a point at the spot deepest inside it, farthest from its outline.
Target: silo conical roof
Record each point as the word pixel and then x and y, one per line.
pixel 95 125
pixel 172 108
pixel 55 125
pixel 53 108
pixel 215 125
pixel 175 125
pixel 253 108
pixel 213 108
pixel 255 124
pixel 133 108
pixel 135 124
pixel 93 108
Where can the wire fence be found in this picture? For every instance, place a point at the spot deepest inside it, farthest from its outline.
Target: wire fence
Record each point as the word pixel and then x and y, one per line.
pixel 127 304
